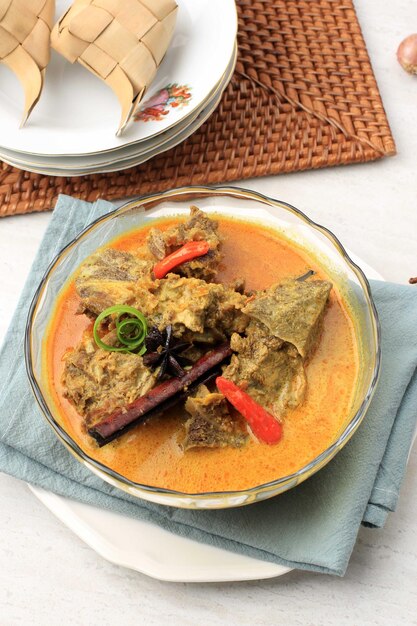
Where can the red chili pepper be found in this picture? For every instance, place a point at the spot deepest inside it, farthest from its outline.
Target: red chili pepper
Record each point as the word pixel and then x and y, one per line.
pixel 263 424
pixel 189 251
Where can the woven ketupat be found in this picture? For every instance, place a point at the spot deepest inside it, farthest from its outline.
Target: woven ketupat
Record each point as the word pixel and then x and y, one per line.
pixel 121 41
pixel 25 28
pixel 303 96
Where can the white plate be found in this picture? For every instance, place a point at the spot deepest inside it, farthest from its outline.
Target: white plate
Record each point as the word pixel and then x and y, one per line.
pixel 79 114
pixel 146 548
pixel 124 163
pixel 111 156
pixel 151 550
pixel 116 159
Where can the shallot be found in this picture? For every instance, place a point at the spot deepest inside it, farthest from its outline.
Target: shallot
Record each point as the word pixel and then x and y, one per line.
pixel 407 54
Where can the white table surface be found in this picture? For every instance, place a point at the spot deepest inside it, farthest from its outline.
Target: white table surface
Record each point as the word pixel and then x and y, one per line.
pixel 48 576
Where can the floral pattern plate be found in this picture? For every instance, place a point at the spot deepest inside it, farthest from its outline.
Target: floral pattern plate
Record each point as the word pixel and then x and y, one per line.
pixel 126 156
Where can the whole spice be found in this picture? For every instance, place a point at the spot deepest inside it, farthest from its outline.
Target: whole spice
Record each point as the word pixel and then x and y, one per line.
pixel 304 277
pixel 407 54
pixel 164 350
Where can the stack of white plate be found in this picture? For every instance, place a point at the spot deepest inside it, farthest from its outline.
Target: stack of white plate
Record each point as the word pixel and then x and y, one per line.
pixel 72 129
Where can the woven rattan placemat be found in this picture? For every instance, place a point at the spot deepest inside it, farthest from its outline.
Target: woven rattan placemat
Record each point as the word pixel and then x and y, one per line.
pixel 303 96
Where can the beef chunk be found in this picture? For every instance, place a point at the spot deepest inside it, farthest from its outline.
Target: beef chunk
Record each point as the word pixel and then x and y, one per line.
pixel 200 307
pixel 156 243
pixel 204 267
pixel 210 424
pixel 292 311
pixel 199 226
pixel 110 277
pixel 189 304
pixel 270 370
pixel 97 381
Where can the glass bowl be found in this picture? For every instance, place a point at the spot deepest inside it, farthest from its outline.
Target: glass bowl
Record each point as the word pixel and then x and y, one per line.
pixel 241 203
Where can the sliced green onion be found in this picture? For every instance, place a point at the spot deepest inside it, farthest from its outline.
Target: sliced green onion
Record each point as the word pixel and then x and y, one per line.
pixel 131 331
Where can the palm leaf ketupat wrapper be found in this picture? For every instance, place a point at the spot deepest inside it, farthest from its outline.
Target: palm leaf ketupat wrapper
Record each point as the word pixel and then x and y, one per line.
pixel 121 41
pixel 25 28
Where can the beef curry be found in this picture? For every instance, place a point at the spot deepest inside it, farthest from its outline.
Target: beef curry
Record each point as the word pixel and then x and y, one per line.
pixel 202 355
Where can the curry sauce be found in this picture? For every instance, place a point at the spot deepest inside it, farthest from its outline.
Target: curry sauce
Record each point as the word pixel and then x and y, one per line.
pixel 151 453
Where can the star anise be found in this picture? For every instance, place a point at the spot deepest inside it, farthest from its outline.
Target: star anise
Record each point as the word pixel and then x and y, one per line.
pixel 164 350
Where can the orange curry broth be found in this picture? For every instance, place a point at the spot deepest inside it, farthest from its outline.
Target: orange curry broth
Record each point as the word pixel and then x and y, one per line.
pixel 151 453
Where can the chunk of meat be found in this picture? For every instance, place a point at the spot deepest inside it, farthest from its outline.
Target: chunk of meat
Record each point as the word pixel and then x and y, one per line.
pixel 199 226
pixel 156 244
pixel 114 277
pixel 204 267
pixel 210 424
pixel 209 337
pixel 269 370
pixel 97 381
pixel 194 305
pixel 292 311
pixel 225 313
pixel 111 277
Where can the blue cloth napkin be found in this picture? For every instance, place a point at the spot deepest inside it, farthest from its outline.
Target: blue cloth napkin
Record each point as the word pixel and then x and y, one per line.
pixel 313 526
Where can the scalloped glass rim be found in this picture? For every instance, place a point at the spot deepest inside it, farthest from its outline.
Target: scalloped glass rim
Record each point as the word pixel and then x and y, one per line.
pixel 214 499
